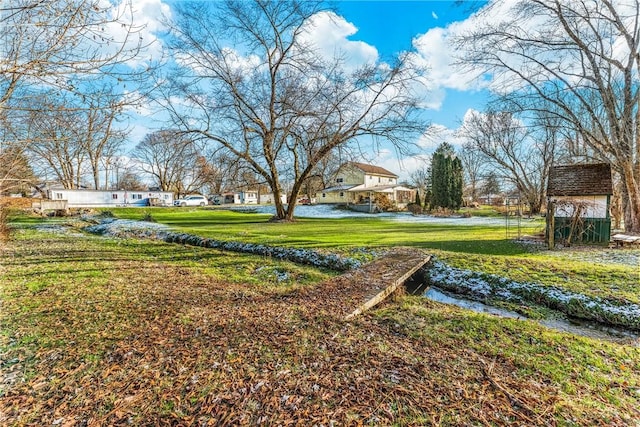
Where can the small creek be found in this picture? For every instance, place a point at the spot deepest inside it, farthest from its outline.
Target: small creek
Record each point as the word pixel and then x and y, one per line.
pixel 575 326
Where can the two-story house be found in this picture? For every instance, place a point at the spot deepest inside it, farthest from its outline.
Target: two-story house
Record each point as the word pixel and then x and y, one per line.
pixel 360 183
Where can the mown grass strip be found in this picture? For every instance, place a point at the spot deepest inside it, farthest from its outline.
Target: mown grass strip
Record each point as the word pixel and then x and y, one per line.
pixel 481 248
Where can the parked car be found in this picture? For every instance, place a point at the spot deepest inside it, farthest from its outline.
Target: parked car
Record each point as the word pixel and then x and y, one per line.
pixel 193 200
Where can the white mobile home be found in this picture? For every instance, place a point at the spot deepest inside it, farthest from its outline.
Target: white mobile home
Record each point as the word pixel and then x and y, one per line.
pixel 110 198
pixel 249 197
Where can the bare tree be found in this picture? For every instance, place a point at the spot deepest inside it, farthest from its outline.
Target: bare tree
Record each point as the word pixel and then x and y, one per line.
pixel 473 166
pixel 254 83
pixel 72 139
pixel 121 173
pixel 64 43
pixel 421 178
pixel 86 50
pixel 127 179
pixel 581 58
pixel 220 172
pixel 99 134
pixel 171 159
pixel 512 152
pixel 54 147
pixel 16 173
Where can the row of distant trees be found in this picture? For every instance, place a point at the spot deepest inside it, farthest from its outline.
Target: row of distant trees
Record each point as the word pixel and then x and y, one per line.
pixel 168 160
pixel 65 80
pixel 245 80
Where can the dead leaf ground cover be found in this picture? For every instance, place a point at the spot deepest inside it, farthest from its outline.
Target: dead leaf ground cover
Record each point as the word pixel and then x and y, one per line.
pixel 123 332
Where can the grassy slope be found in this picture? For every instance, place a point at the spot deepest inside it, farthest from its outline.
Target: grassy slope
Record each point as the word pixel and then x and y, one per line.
pixel 480 248
pixel 102 332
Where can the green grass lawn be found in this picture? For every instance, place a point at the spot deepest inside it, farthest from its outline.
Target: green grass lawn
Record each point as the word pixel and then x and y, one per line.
pixel 335 233
pixel 480 248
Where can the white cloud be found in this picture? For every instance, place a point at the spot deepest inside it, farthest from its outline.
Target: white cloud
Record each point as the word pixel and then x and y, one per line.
pixel 439 50
pixel 329 33
pixel 436 135
pixel 134 23
pixel 137 134
pixel 435 50
pixel 434 15
pixel 409 165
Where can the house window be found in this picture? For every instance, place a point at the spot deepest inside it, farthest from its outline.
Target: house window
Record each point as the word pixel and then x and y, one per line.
pixel 136 196
pixel 324 194
pixel 379 180
pixel 340 180
pixel 114 196
pixel 58 196
pixel 166 196
pixel 341 194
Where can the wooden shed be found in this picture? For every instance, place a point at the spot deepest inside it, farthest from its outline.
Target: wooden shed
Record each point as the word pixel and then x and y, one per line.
pixel 578 199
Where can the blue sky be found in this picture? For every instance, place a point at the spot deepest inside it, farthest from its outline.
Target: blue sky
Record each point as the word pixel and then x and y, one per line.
pixel 391 27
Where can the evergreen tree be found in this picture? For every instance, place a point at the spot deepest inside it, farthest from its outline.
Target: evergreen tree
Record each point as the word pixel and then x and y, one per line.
pixel 456 184
pixel 446 178
pixel 491 185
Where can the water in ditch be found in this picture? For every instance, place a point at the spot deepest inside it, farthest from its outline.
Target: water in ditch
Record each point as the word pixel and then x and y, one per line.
pixel 574 326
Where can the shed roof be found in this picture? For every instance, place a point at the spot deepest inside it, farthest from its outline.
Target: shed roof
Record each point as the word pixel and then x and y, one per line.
pixel 580 180
pixel 373 169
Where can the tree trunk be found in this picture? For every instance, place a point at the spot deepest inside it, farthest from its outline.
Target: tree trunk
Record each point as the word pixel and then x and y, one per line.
pixel 551 225
pixel 534 206
pixel 277 200
pixel 96 177
pixel 290 209
pixel 632 201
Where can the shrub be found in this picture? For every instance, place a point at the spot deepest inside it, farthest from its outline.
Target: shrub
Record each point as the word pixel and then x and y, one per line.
pixel 148 217
pixel 414 208
pixel 383 203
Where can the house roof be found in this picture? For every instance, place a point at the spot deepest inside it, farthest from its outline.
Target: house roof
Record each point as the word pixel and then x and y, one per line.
pixel 379 188
pixel 377 170
pixel 580 180
pixel 344 187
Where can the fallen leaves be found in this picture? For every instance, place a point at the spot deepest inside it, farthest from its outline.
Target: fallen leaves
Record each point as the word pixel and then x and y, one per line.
pixel 172 346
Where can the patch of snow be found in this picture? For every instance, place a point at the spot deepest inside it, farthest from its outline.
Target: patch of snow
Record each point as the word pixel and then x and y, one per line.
pixel 482 286
pixel 57 229
pixel 629 257
pixel 127 228
pixel 331 212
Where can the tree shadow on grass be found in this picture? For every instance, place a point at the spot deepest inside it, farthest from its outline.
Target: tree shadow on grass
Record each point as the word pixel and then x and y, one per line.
pixel 482 247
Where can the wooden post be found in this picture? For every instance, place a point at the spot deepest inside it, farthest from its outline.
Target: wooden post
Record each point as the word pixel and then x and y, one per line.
pixel 551 225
